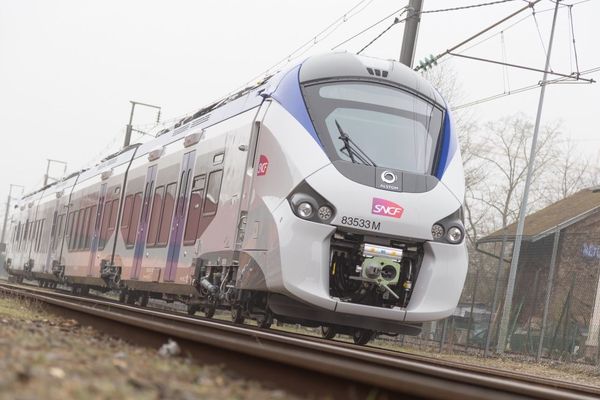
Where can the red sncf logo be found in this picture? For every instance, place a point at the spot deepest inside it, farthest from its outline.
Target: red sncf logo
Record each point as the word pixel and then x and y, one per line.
pixel 386 208
pixel 263 165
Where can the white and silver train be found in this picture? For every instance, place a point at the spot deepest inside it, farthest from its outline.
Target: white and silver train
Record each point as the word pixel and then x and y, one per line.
pixel 328 195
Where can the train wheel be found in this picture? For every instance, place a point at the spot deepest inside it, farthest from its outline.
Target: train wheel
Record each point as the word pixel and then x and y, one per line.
pixel 192 309
pixel 265 321
pixel 362 336
pixel 41 283
pixel 209 311
pixel 84 290
pixel 328 332
pixel 144 299
pixel 236 315
pixel 131 298
pixel 122 295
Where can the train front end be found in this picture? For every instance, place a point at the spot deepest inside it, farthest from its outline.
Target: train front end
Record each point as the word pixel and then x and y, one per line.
pixel 371 235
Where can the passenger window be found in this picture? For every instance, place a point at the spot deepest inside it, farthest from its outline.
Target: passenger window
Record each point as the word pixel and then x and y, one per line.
pixel 90 229
pixel 157 202
pixel 167 214
pixel 135 219
pixel 39 238
pixel 75 234
pixel 59 230
pixel 84 228
pixel 193 217
pixel 126 218
pixel 104 227
pixel 114 212
pixel 213 190
pixel 70 226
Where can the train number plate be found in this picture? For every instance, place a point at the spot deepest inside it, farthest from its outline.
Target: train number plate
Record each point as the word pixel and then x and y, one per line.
pixel 361 223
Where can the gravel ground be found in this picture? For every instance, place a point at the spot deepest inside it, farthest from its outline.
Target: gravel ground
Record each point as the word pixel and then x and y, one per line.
pixel 562 371
pixel 45 356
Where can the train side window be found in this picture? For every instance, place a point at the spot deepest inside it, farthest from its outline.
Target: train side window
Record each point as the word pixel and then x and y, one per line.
pixel 77 229
pixel 104 225
pixel 157 203
pixel 126 218
pixel 213 190
pixel 90 230
pixel 83 228
pixel 193 217
pixel 70 228
pixel 135 218
pixel 33 236
pixel 59 230
pixel 167 214
pixel 114 212
pixel 39 236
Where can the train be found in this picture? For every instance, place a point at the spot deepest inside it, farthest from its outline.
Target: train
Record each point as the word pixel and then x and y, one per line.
pixel 329 194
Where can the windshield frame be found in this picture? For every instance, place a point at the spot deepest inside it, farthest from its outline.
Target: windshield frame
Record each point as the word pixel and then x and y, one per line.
pixel 314 104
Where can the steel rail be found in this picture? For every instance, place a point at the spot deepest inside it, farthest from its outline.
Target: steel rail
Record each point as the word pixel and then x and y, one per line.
pixel 393 371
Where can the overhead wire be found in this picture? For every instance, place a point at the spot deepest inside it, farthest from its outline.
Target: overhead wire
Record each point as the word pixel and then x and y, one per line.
pixel 401 10
pixel 313 41
pixel 397 20
pixel 561 80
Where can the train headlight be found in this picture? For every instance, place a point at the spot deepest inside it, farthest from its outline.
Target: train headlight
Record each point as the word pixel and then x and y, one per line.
pixel 305 210
pixel 454 235
pixel 325 213
pixel 437 231
pixel 309 205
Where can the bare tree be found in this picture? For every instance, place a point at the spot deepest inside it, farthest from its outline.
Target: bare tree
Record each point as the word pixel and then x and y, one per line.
pixel 506 157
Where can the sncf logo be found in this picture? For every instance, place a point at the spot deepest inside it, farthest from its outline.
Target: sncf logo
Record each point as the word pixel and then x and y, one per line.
pixel 386 208
pixel 263 165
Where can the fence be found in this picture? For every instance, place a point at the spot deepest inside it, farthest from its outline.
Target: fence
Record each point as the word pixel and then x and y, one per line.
pixel 555 311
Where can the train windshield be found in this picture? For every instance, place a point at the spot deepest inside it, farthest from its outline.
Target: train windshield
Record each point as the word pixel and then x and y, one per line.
pixel 374 124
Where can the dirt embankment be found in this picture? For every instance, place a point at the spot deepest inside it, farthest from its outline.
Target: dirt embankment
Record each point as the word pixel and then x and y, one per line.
pixel 46 357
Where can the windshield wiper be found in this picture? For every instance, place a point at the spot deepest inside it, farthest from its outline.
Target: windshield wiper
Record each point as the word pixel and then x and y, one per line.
pixel 354 152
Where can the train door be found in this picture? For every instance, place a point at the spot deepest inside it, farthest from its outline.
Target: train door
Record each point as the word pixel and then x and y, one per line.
pixel 177 225
pixel 53 238
pixel 248 175
pixel 140 241
pixel 96 231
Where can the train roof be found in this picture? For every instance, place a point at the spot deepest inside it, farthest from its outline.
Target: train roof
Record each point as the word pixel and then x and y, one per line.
pixel 347 65
pixel 313 68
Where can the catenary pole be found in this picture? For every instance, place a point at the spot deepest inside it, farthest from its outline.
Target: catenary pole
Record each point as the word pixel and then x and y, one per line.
pixel 411 31
pixel 506 310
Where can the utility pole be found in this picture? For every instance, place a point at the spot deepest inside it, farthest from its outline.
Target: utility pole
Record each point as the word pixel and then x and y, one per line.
pixel 514 263
pixel 129 127
pixel 50 161
pixel 411 31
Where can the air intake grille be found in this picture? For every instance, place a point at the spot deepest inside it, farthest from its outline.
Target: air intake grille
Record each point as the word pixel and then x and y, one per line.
pixel 377 72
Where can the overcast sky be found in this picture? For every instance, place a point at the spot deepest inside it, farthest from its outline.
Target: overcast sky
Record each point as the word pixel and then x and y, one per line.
pixel 69 68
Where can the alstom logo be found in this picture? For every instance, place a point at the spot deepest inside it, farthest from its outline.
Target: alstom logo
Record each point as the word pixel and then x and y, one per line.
pixel 386 208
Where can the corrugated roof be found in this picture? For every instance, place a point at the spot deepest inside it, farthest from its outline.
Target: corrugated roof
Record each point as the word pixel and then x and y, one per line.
pixel 560 214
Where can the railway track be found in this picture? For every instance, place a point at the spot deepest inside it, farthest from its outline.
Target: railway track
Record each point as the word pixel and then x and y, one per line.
pixel 279 353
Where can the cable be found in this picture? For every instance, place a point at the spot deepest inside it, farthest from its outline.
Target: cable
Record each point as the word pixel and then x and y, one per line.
pixel 524 89
pixel 310 43
pixel 403 9
pixel 396 21
pixel 465 7
pixel 422 12
pixel 440 55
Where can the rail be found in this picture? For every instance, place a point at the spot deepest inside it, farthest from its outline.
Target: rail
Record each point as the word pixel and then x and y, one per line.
pixel 389 370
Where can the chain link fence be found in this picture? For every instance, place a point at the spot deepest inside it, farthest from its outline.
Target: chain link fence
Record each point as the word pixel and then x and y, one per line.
pixel 555 313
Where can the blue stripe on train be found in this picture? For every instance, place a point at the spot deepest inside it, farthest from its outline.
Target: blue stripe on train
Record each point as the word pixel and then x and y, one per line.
pixel 290 97
pixel 449 145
